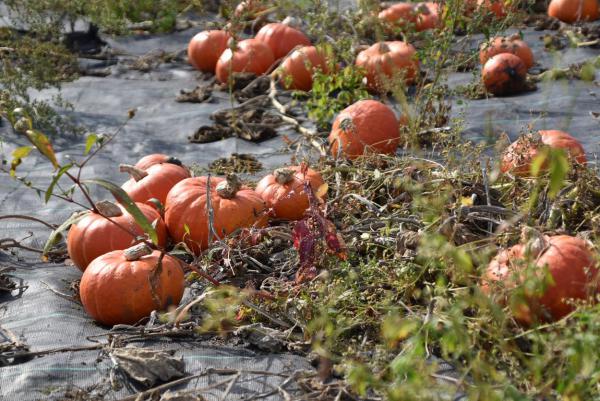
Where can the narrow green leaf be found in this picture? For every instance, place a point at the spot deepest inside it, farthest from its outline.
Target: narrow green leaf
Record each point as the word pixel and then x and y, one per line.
pixel 538 162
pixel 129 205
pixel 42 143
pixel 559 167
pixel 89 142
pixel 55 179
pixel 55 235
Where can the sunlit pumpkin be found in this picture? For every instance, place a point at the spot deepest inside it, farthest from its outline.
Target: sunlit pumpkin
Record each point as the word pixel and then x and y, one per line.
pixel 125 286
pixel 573 271
pixel 422 16
pixel 281 38
pixel 232 207
pixel 384 61
pixel 365 126
pixel 157 158
pixel 512 44
pixel 517 158
pixel 284 192
pixel 250 55
pixel 95 235
pixel 500 8
pixel 504 74
pixel 205 48
pixel 574 10
pixel 154 182
pixel 298 68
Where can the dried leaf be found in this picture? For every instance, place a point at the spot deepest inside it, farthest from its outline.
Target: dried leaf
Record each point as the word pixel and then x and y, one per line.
pixel 148 367
pixel 42 143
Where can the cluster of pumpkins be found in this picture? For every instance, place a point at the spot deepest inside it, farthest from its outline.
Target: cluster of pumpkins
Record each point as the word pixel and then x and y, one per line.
pixel 182 209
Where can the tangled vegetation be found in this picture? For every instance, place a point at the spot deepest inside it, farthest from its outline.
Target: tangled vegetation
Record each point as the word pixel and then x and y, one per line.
pixel 393 286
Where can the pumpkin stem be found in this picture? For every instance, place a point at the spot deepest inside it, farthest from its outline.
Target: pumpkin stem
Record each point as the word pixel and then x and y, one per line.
pixel 534 241
pixel 108 209
pixel 135 173
pixel 384 48
pixel 174 160
pixel 228 188
pixel 283 175
pixel 291 21
pixel 136 252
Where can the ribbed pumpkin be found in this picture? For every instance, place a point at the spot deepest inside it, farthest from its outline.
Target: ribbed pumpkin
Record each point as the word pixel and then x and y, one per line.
pixel 233 207
pixel 571 264
pixel 512 44
pixel 250 55
pixel 422 16
pixel 123 287
pixel 298 68
pixel 154 182
pixel 281 38
pixel 517 158
pixel 385 60
pixel 365 126
pixel 157 158
pixel 94 235
pixel 205 48
pixel 284 192
pixel 504 74
pixel 574 10
pixel 499 8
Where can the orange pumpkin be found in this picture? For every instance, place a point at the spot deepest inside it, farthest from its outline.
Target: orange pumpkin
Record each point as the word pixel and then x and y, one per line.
pixel 298 68
pixel 123 287
pixel 281 38
pixel 383 61
pixel 422 16
pixel 154 182
pixel 513 45
pixel 283 191
pixel 233 207
pixel 95 235
pixel 570 263
pixel 250 55
pixel 367 125
pixel 517 158
pixel 205 49
pixel 574 10
pixel 498 7
pixel 504 74
pixel 157 158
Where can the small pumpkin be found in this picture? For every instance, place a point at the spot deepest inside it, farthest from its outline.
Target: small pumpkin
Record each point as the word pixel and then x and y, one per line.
pixel 367 125
pixel 504 74
pixel 284 192
pixel 298 68
pixel 569 261
pixel 156 158
pixel 95 235
pixel 205 48
pixel 233 207
pixel 574 10
pixel 383 61
pixel 125 286
pixel 517 158
pixel 512 44
pixel 154 182
pixel 281 38
pixel 250 55
pixel 500 8
pixel 422 16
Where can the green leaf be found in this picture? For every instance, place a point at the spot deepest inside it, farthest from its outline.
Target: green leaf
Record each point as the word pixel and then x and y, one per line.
pixel 129 205
pixel 18 155
pixel 55 235
pixel 89 142
pixel 41 142
pixel 559 167
pixel 55 179
pixel 538 162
